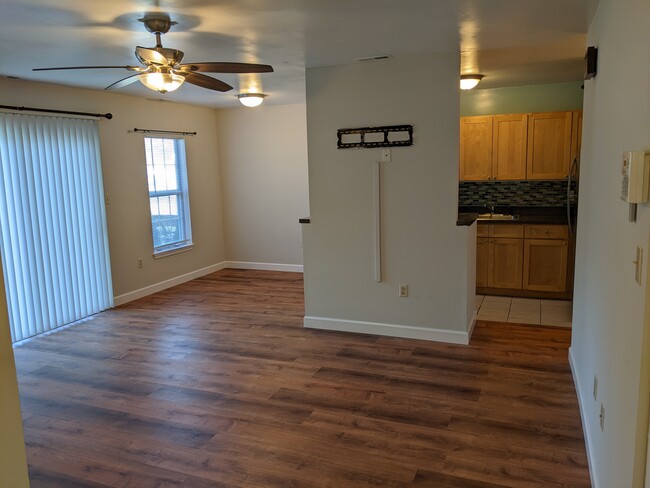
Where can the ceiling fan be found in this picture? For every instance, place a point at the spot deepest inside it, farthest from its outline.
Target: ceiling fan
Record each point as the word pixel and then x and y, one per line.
pixel 161 70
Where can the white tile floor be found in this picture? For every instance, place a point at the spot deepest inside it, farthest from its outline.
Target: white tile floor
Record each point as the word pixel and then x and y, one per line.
pixel 524 310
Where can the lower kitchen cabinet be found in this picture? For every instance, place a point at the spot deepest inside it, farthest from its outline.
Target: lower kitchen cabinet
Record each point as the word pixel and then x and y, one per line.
pixel 499 259
pixel 545 264
pixel 525 258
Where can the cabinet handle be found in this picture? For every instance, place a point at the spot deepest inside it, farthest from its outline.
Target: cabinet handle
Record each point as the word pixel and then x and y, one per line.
pixel 546 231
pixel 564 243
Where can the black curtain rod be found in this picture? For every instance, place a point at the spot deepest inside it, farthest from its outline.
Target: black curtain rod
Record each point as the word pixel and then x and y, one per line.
pixel 50 111
pixel 164 132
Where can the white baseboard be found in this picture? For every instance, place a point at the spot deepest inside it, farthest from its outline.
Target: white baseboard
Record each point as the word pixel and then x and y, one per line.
pixel 163 285
pixel 293 268
pixel 392 330
pixel 470 330
pixel 590 455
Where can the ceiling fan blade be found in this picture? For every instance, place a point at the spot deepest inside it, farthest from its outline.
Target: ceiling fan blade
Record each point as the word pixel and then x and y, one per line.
pixel 150 56
pixel 227 67
pixel 123 82
pixel 205 81
pixel 86 67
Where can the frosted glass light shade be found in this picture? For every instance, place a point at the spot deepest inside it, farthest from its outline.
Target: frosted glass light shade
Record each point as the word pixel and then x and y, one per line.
pixel 251 99
pixel 162 81
pixel 467 82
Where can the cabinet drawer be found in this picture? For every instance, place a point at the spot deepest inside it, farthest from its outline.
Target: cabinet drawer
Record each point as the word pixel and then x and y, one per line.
pixel 547 232
pixel 482 230
pixel 500 230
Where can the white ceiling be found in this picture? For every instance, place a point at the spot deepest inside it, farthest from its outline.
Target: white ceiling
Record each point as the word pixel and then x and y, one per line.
pixel 512 42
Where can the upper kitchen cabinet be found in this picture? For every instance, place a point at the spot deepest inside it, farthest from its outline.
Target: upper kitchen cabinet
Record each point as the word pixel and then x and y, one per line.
pixel 509 147
pixel 476 148
pixel 538 146
pixel 576 139
pixel 549 145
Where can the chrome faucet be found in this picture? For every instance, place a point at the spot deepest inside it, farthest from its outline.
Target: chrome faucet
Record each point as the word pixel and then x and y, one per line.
pixel 489 208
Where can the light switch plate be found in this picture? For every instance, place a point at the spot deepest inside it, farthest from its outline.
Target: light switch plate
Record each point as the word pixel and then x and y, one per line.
pixel 638 265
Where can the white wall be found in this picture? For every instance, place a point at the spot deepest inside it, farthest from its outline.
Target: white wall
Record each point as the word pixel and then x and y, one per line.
pixel 263 155
pixel 609 307
pixel 422 246
pixel 13 462
pixel 125 181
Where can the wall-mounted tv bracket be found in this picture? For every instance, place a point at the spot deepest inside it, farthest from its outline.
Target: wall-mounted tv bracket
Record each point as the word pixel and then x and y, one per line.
pixel 393 135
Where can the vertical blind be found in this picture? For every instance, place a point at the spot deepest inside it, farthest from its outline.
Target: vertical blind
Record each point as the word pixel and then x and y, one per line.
pixel 52 222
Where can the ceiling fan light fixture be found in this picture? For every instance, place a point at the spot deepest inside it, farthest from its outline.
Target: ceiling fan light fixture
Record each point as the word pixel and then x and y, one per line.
pixel 162 80
pixel 467 82
pixel 251 99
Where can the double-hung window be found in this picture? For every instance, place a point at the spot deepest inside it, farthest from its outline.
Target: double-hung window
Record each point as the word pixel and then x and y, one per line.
pixel 168 195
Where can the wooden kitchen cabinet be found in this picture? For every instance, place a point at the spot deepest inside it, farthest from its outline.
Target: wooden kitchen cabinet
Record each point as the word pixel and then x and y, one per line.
pixel 476 148
pixel 537 146
pixel 506 260
pixel 482 261
pixel 524 259
pixel 509 143
pixel 549 145
pixel 546 258
pixel 499 259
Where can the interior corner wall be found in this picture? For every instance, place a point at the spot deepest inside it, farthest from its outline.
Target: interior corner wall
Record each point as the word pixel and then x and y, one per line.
pixel 421 245
pixel 13 462
pixel 125 179
pixel 610 308
pixel 521 99
pixel 263 158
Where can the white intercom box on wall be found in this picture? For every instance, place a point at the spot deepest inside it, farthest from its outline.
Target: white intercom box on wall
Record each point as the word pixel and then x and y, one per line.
pixel 635 174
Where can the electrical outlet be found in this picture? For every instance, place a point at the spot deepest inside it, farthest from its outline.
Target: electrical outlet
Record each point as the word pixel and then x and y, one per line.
pixel 107 199
pixel 139 262
pixel 385 155
pixel 403 290
pixel 601 416
pixel 595 387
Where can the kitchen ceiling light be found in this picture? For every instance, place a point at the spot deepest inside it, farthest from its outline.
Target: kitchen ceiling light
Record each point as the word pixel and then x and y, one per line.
pixel 162 80
pixel 467 82
pixel 251 99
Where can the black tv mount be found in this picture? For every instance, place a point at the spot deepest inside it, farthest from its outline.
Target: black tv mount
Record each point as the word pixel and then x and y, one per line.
pixel 406 132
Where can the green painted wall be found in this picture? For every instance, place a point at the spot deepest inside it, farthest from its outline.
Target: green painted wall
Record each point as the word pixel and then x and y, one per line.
pixel 520 99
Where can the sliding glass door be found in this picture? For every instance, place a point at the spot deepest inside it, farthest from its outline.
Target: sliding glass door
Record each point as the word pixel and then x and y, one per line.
pixel 53 235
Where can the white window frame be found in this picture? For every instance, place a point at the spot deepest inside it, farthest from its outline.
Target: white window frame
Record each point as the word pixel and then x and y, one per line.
pixel 182 193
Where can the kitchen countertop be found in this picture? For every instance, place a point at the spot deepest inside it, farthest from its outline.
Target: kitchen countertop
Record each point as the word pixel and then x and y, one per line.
pixel 527 215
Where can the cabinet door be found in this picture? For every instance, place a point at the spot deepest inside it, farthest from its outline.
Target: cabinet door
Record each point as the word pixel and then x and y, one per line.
pixel 475 148
pixel 576 139
pixel 482 262
pixel 545 264
pixel 506 256
pixel 549 145
pixel 509 147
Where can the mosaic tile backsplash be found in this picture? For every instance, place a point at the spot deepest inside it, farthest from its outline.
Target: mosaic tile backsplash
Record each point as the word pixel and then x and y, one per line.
pixel 543 193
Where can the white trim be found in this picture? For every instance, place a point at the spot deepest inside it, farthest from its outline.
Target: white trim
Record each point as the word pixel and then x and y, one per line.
pixel 470 330
pixel 292 268
pixel 583 415
pixel 163 285
pixel 392 330
pixel 174 250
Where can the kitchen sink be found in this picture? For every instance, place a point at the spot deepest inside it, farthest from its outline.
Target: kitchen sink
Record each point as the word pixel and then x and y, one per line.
pixel 494 216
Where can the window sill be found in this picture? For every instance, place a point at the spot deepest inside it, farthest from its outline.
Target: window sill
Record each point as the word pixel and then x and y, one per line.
pixel 172 251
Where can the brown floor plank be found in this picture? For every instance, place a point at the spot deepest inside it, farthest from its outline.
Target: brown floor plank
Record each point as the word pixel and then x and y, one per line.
pixel 215 383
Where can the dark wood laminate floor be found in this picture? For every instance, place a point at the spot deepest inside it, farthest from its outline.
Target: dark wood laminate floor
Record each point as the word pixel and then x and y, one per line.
pixel 215 383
